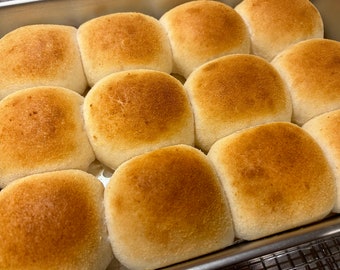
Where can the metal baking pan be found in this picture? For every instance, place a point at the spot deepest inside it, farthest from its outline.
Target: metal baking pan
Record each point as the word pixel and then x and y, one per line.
pixel 244 251
pixel 16 13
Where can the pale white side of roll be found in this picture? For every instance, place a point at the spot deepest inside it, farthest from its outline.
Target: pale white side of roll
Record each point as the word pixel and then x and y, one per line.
pixel 325 129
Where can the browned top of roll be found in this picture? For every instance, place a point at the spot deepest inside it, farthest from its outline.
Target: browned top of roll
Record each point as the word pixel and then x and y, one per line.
pixel 122 41
pixel 276 178
pixel 235 92
pixel 202 30
pixel 36 55
pixel 170 203
pixel 143 106
pixel 234 85
pixel 53 220
pixel 41 128
pixel 312 71
pixel 276 24
pixel 209 25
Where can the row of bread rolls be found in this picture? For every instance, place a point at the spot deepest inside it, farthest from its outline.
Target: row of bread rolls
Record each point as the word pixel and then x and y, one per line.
pixel 125 114
pixel 274 177
pixel 253 183
pixel 72 58
pixel 183 38
pixel 226 94
pixel 173 203
pixel 249 92
pixel 277 167
pixel 131 112
pixel 163 207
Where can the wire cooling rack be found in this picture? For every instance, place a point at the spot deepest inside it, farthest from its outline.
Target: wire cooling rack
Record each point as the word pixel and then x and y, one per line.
pixel 319 254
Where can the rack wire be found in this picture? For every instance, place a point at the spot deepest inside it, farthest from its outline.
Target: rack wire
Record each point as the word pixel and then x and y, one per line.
pixel 318 254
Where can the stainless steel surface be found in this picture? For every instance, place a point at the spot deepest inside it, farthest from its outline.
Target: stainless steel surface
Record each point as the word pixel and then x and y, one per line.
pixel 323 253
pixel 16 13
pixel 243 251
pixel 330 12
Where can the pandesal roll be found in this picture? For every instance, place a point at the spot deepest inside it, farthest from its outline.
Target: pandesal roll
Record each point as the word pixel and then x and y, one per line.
pixel 234 92
pixel 276 177
pixel 311 70
pixel 131 112
pixel 42 129
pixel 200 31
pixel 166 206
pixel 274 25
pixel 123 41
pixel 54 220
pixel 40 55
pixel 325 129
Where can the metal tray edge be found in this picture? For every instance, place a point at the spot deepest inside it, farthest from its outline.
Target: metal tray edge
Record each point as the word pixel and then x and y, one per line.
pixel 245 250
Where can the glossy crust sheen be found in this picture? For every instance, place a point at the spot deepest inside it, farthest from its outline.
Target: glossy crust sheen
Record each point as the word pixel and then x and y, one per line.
pixel 42 129
pixel 166 206
pixel 276 24
pixel 325 129
pixel 276 178
pixel 312 71
pixel 143 110
pixel 235 92
pixel 200 31
pixel 123 41
pixel 37 55
pixel 54 221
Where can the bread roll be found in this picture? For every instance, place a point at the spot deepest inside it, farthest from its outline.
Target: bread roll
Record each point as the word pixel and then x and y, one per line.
pixel 274 25
pixel 42 129
pixel 123 41
pixel 276 178
pixel 325 129
pixel 164 207
pixel 235 92
pixel 200 31
pixel 312 71
pixel 40 55
pixel 54 220
pixel 132 112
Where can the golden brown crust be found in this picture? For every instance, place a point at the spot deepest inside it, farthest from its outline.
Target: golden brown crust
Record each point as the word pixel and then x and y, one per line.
pixel 170 202
pixel 38 55
pixel 325 130
pixel 276 178
pixel 312 71
pixel 122 41
pixel 53 220
pixel 41 129
pixel 143 109
pixel 202 30
pixel 276 24
pixel 235 92
pixel 132 98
